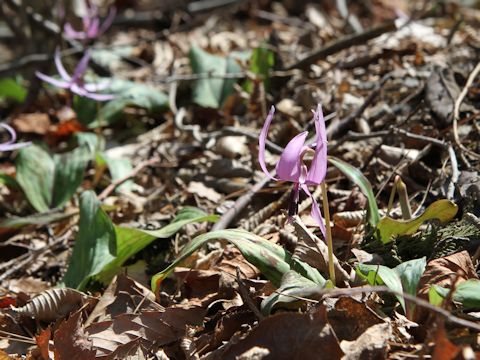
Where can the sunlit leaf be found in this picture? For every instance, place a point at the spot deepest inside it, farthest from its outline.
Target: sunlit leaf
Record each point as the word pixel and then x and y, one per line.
pixel 443 210
pixel 382 275
pixel 410 273
pixel 212 91
pixel 467 293
pixel 364 185
pixel 271 259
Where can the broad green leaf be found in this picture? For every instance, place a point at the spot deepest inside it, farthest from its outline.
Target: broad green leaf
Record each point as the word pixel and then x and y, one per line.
pixel 212 92
pixel 86 109
pixel 364 185
pixel 271 259
pixel 296 286
pixel 129 94
pixel 261 62
pixel 443 210
pixel 35 174
pixel 95 243
pixel 69 170
pixel 94 142
pixel 382 275
pixel 467 293
pixel 410 273
pixel 11 89
pixel 50 181
pixel 130 241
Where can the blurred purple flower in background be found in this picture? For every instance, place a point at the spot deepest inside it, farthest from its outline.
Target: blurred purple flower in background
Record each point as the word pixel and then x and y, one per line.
pixel 75 83
pixel 291 167
pixel 10 144
pixel 91 24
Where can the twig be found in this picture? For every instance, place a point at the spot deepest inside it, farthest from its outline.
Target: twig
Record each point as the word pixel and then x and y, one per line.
pixel 343 43
pixel 456 111
pixel 110 188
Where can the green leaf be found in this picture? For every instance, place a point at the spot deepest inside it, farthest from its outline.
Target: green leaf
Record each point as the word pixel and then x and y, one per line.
pixel 362 182
pixel 467 293
pixel 130 241
pixel 35 174
pixel 129 94
pixel 261 62
pixel 95 243
pixel 443 210
pixel 50 181
pixel 9 181
pixel 69 170
pixel 271 259
pixel 118 168
pixel 86 109
pixel 296 286
pixel 380 275
pixel 212 92
pixel 11 89
pixel 434 297
pixel 37 219
pixel 410 273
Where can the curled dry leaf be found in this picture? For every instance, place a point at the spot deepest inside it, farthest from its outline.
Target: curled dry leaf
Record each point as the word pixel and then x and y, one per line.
pixel 152 328
pixel 350 318
pixel 53 304
pixel 372 344
pixel 290 336
pixel 444 270
pixel 70 341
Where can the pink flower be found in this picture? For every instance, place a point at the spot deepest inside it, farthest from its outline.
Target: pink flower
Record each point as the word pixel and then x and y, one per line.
pixel 291 167
pixel 10 144
pixel 75 83
pixel 91 25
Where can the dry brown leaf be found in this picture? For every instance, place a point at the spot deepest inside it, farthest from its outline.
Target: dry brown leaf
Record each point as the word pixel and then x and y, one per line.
pixel 123 295
pixel 350 318
pixel 34 123
pixel 150 328
pixel 71 342
pixel 371 344
pixel 444 270
pixel 53 304
pixel 290 336
pixel 199 189
pixel 42 341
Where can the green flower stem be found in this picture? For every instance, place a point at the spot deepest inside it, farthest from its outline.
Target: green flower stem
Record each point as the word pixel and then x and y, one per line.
pixel 326 213
pixel 403 198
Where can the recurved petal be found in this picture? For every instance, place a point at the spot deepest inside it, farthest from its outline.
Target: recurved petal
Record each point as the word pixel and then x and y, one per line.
pixel 53 81
pixel 316 213
pixel 289 167
pixel 261 143
pixel 318 168
pixel 71 33
pixel 10 144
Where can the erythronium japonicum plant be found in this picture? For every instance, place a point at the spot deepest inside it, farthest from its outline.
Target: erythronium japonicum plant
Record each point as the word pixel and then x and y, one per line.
pixel 75 83
pixel 292 168
pixel 91 24
pixel 10 144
